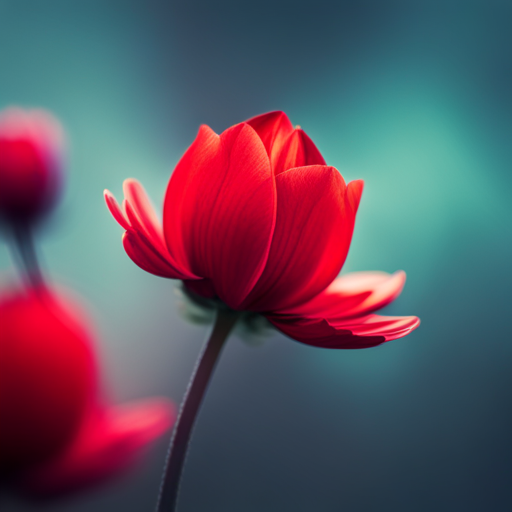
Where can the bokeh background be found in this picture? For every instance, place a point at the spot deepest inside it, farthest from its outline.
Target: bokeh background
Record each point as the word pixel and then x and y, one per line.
pixel 414 97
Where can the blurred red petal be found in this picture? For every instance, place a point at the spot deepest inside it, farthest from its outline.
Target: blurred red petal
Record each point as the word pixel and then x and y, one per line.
pixel 298 151
pixel 108 443
pixel 44 342
pixel 219 211
pixel 361 332
pixel 315 220
pixel 273 129
pixel 352 295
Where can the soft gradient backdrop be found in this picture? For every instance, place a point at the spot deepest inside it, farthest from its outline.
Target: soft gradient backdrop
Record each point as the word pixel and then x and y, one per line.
pixel 414 98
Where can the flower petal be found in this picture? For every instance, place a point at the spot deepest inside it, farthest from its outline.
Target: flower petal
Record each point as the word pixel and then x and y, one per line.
pixel 315 220
pixel 138 200
pixel 298 151
pixel 355 294
pixel 116 210
pixel 361 332
pixel 273 129
pixel 144 241
pixel 108 443
pixel 47 375
pixel 150 238
pixel 144 255
pixel 219 211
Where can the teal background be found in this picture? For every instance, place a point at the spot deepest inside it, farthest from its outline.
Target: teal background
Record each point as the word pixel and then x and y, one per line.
pixel 412 97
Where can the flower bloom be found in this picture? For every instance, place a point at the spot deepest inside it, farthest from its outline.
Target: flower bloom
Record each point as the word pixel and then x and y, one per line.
pixel 31 147
pixel 56 432
pixel 255 218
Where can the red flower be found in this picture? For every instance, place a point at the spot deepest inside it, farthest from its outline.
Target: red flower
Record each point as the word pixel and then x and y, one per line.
pixel 56 431
pixel 31 145
pixel 255 218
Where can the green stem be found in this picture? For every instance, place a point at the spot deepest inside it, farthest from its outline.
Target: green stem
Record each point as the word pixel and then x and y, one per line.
pixel 196 390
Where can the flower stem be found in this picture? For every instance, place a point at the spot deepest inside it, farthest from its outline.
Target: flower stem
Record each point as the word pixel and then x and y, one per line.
pixel 26 257
pixel 196 390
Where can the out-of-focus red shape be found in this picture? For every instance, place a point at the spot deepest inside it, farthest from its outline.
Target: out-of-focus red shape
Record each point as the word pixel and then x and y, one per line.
pixel 57 433
pixel 256 218
pixel 31 154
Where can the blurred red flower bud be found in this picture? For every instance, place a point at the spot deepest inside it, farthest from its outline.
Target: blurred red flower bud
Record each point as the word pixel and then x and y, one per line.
pixel 56 431
pixel 31 154
pixel 256 219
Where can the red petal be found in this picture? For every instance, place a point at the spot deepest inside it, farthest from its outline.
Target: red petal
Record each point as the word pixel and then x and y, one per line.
pixel 151 237
pixel 143 254
pixel 315 220
pixel 116 210
pixel 352 295
pixel 361 332
pixel 108 443
pixel 219 211
pixel 353 195
pixel 298 151
pixel 144 241
pixel 138 200
pixel 47 375
pixel 273 129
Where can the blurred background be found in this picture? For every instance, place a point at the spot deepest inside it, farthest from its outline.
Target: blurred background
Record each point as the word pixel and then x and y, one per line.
pixel 414 97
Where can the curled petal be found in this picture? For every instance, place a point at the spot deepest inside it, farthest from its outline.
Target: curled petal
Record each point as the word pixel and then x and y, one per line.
pixel 142 208
pixel 144 255
pixel 362 332
pixel 143 240
pixel 116 210
pixel 109 442
pixel 355 294
pixel 298 151
pixel 315 220
pixel 219 211
pixel 273 129
pixel 154 240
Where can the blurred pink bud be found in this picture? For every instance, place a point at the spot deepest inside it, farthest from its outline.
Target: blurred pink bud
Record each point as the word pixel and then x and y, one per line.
pixel 31 154
pixel 56 431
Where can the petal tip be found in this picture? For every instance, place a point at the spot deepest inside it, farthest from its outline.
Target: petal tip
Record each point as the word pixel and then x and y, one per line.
pixel 354 192
pixel 116 211
pixel 129 184
pixel 400 277
pixel 204 129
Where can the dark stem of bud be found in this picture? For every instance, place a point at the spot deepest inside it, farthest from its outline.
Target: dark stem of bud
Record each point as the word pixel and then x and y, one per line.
pixel 196 390
pixel 26 257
